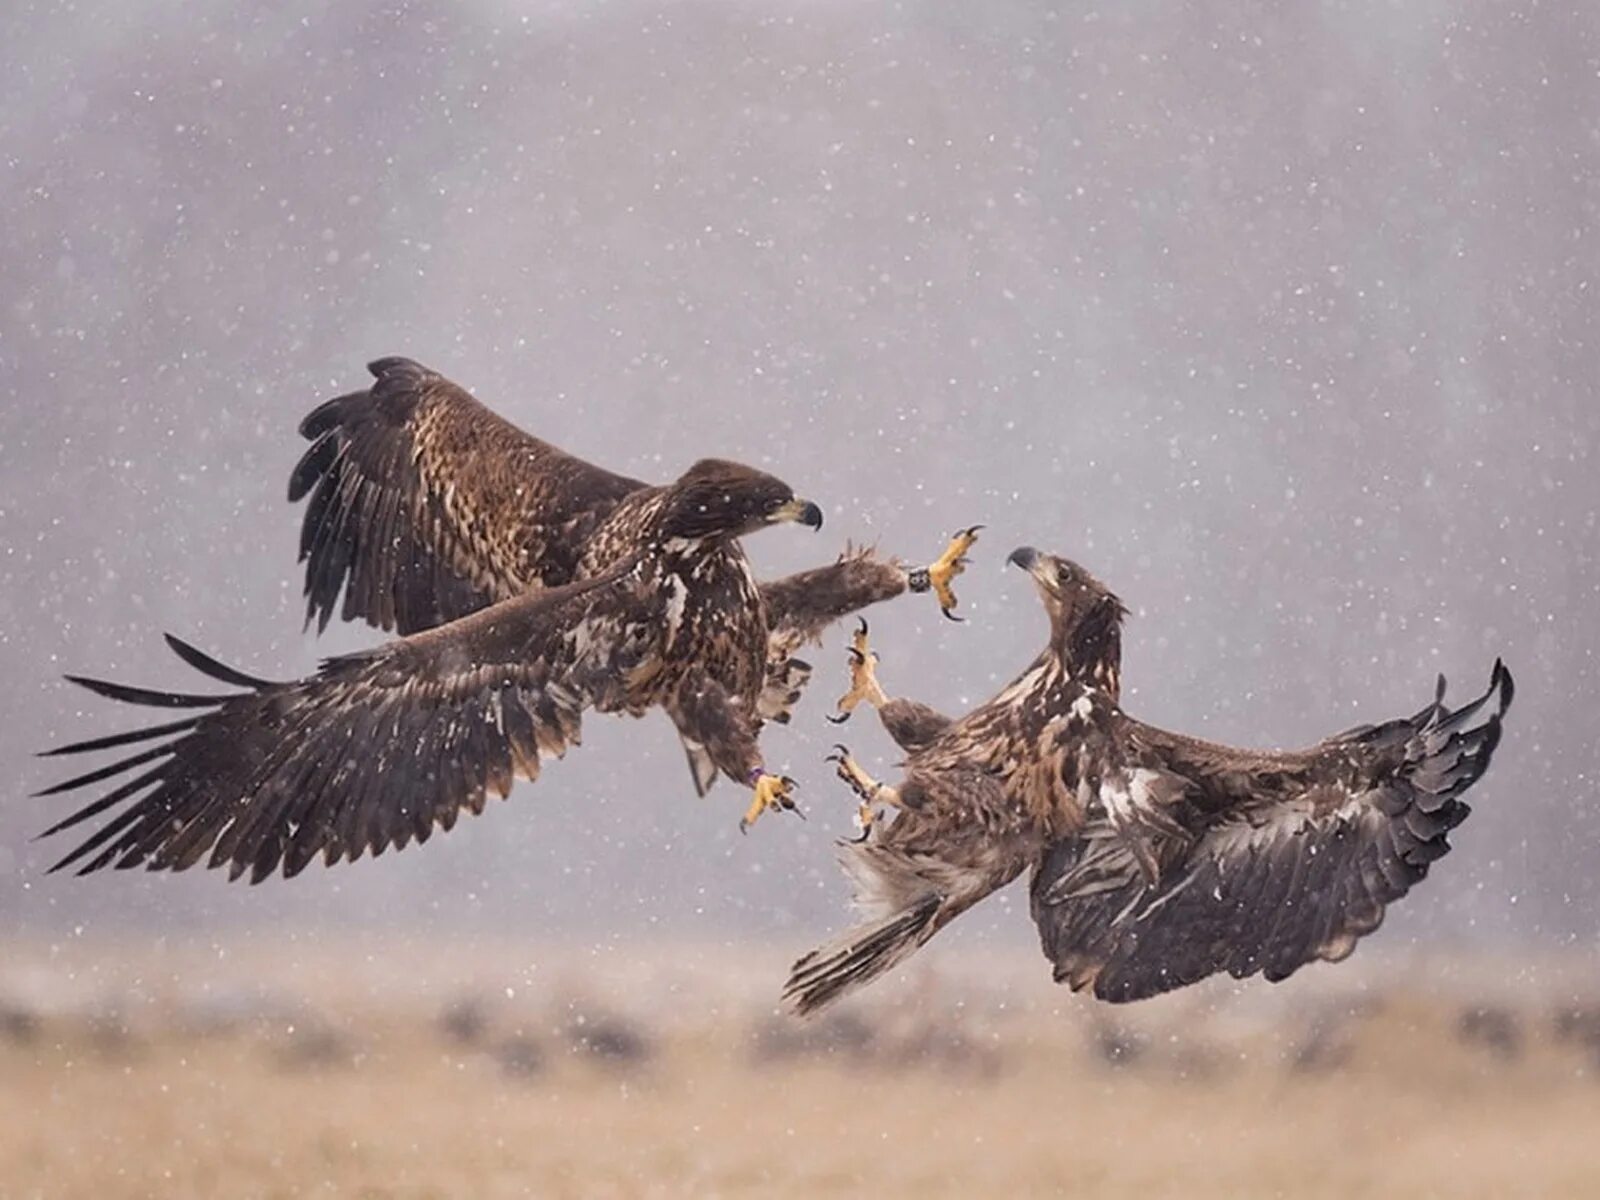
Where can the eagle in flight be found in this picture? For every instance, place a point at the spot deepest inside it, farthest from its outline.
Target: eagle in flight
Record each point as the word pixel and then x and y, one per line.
pixel 1156 859
pixel 528 586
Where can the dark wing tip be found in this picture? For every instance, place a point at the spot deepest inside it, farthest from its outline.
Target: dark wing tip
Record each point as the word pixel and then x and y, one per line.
pixel 119 739
pixel 395 364
pixel 147 696
pixel 324 418
pixel 316 461
pixel 209 666
pixel 1508 686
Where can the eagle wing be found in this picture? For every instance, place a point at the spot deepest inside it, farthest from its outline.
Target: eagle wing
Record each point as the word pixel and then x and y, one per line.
pixel 1197 858
pixel 425 505
pixel 374 750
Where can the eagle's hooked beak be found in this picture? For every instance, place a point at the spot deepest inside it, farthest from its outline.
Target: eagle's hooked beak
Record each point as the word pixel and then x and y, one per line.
pixel 1035 564
pixel 802 512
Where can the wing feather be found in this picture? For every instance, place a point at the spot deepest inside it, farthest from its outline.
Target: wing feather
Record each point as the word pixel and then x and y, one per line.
pixel 425 506
pixel 1294 857
pixel 376 750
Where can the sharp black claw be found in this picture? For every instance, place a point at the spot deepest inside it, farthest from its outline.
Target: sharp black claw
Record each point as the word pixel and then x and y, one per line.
pixel 838 720
pixel 971 530
pixel 856 657
pixel 950 616
pixel 861 626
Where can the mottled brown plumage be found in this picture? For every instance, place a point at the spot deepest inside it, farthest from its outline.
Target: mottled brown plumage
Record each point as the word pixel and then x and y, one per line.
pixel 379 748
pixel 1156 859
pixel 423 506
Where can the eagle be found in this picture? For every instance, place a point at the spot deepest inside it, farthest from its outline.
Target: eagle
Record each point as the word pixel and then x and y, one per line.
pixel 423 506
pixel 528 587
pixel 1156 859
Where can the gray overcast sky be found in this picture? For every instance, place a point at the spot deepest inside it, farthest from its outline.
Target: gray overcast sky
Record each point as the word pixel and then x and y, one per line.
pixel 1280 318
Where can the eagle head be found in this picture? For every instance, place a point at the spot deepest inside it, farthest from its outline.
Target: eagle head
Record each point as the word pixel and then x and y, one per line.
pixel 1085 617
pixel 716 499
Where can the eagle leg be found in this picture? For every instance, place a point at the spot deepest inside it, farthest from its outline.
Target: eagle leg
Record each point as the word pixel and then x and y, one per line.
pixel 940 574
pixel 869 790
pixel 863 677
pixel 770 792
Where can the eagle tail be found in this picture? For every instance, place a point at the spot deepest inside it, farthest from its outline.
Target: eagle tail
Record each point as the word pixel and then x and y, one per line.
pixel 859 956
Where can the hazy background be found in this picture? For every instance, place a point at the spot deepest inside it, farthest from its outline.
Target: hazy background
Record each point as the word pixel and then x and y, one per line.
pixel 1279 317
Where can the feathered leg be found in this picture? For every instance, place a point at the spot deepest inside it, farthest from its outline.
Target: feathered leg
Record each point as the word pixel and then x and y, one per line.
pixel 723 733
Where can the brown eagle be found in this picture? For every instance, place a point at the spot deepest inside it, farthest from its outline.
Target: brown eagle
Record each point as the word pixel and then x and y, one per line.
pixel 1156 859
pixel 530 587
pixel 425 506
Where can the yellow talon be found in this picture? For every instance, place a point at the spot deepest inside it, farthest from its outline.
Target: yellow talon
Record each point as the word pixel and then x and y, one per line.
pixel 869 790
pixel 866 817
pixel 858 639
pixel 771 791
pixel 948 565
pixel 863 677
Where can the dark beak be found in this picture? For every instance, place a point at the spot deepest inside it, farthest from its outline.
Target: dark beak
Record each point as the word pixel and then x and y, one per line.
pixel 1024 557
pixel 802 512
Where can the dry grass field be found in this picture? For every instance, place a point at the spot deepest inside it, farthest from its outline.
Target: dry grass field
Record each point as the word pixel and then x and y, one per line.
pixel 422 1072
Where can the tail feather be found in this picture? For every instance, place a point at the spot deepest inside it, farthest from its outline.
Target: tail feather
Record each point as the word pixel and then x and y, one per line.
pixel 859 956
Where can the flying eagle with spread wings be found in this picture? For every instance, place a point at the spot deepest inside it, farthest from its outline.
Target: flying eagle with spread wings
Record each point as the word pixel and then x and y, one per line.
pixel 1156 859
pixel 423 505
pixel 529 587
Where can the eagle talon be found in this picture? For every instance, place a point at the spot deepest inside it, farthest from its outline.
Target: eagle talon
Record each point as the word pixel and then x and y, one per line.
pixel 863 677
pixel 866 820
pixel 869 790
pixel 862 784
pixel 771 792
pixel 941 573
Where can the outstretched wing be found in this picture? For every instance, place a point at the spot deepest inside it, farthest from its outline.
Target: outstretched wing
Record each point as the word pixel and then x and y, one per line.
pixel 374 750
pixel 426 506
pixel 1278 860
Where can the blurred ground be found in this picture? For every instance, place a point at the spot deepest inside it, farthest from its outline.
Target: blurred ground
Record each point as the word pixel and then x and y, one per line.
pixel 409 1070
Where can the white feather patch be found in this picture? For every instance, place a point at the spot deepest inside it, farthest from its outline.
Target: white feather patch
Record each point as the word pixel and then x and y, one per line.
pixel 677 599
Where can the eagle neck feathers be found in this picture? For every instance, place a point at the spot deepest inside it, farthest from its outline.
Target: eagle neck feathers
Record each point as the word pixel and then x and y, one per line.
pixel 1088 648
